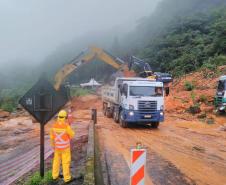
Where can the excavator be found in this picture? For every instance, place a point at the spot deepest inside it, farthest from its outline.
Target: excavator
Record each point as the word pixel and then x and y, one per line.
pixel 95 53
pixel 88 55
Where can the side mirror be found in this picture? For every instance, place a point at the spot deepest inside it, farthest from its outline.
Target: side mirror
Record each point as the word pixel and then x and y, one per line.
pixel 167 91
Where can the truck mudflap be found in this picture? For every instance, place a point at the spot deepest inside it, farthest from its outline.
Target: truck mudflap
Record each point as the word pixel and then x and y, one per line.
pixel 142 117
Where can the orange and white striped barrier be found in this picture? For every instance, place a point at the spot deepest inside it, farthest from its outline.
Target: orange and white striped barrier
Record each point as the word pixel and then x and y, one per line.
pixel 137 168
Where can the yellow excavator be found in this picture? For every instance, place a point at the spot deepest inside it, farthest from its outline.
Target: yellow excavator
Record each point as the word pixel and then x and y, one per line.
pixel 90 54
pixel 95 53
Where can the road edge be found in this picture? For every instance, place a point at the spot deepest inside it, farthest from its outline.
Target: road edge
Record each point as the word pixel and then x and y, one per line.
pixel 89 178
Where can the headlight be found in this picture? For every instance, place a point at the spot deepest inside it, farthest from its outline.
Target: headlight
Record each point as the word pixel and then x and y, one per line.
pixel 131 107
pixel 221 108
pixel 161 113
pixel 131 113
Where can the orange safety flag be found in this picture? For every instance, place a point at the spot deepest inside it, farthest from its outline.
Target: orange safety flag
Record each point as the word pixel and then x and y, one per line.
pixel 70 119
pixel 137 169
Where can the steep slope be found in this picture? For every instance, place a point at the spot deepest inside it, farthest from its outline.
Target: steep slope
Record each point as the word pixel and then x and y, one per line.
pixel 205 83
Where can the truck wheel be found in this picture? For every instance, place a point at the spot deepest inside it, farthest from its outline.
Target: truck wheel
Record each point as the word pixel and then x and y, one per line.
pixel 104 109
pixel 154 124
pixel 108 113
pixel 116 117
pixel 122 123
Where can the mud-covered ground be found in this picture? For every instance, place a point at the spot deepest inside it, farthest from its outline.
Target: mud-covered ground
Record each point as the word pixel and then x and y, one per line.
pixel 182 151
pixel 186 149
pixel 19 149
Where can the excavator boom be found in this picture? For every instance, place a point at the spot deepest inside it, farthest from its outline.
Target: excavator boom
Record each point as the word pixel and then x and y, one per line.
pixel 95 53
pixel 86 56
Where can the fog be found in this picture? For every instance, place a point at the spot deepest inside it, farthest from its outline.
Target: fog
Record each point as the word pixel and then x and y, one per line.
pixel 32 29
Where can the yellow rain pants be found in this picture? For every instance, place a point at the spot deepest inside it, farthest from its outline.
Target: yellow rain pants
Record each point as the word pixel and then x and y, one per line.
pixel 65 157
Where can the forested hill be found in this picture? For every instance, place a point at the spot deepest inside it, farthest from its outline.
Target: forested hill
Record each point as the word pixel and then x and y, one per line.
pixel 179 37
pixel 182 36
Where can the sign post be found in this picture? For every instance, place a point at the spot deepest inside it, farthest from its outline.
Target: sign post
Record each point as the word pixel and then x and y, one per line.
pixel 94 116
pixel 42 150
pixel 42 101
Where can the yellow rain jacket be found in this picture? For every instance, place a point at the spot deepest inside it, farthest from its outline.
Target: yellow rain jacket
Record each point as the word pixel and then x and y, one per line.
pixel 60 136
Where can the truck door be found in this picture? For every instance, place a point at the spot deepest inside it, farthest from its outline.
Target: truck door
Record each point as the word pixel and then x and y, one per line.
pixel 124 95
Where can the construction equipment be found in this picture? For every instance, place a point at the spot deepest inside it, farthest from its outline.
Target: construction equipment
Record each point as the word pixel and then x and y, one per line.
pixel 93 53
pixel 220 98
pixel 147 72
pixel 134 100
pixel 86 56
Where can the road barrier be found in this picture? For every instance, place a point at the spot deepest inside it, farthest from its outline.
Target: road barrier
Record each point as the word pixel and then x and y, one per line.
pixel 137 168
pixel 89 178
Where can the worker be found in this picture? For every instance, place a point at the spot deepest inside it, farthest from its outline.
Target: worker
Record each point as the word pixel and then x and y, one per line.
pixel 158 91
pixel 60 136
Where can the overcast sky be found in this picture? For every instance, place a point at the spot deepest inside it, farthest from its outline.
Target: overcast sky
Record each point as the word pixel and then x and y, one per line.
pixel 32 29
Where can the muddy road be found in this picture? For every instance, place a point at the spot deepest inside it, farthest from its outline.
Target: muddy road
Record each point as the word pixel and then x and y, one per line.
pixel 183 151
pixel 180 152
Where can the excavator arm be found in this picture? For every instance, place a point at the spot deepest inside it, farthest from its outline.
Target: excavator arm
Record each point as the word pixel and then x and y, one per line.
pixel 86 56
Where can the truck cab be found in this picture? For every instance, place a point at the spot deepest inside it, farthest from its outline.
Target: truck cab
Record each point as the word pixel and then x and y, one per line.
pixel 142 102
pixel 135 100
pixel 220 98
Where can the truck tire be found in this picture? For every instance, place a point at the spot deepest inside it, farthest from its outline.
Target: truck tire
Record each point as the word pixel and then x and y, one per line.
pixel 154 124
pixel 116 116
pixel 108 113
pixel 104 110
pixel 122 123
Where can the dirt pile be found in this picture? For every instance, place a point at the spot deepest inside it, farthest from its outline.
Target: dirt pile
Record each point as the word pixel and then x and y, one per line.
pixel 86 102
pixel 4 114
pixel 203 86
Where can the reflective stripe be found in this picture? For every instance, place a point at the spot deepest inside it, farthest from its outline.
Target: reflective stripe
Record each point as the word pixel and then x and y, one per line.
pixel 65 146
pixel 60 143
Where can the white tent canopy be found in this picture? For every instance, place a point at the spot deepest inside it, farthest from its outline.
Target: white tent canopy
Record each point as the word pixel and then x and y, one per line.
pixel 91 83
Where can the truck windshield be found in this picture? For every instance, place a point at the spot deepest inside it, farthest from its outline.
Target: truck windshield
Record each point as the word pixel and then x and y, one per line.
pixel 145 91
pixel 222 86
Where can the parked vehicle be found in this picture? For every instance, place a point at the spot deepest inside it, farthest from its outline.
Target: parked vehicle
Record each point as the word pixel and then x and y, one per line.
pixel 220 98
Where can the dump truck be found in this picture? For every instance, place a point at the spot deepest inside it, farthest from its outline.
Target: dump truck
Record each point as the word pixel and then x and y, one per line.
pixel 220 98
pixel 134 100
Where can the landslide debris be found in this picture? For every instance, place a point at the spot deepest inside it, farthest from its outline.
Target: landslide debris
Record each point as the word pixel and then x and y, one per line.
pixel 193 95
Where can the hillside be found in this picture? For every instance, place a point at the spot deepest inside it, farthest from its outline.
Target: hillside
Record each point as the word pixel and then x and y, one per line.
pixel 181 36
pixel 181 101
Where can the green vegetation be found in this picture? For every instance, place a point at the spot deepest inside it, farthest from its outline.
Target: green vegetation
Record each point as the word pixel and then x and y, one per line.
pixel 189 86
pixel 9 97
pixel 36 179
pixel 79 91
pixel 203 98
pixel 182 36
pixel 195 108
pixel 190 43
pixel 179 37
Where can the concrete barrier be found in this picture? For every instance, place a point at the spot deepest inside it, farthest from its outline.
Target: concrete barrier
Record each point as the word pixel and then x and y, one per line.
pixel 89 178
